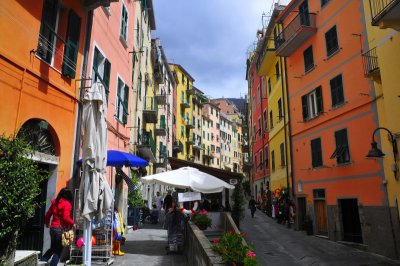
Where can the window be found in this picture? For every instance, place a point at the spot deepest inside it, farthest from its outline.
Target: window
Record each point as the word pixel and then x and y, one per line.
pixel 217 125
pixel 121 102
pixel 280 113
pixel 258 95
pixel 273 160
pixel 308 59
pixel 266 157
pixel 312 104
pixel 212 124
pixel 269 86
pixel 261 160
pixel 341 153
pixel 140 86
pixel 101 70
pixel 337 91
pixel 254 130
pixel 217 161
pixel 324 2
pixel 58 52
pixel 277 70
pixel 124 24
pixel 259 127
pixel 182 131
pixel 316 152
pixel 271 120
pixel 255 162
pixel 331 41
pixel 212 136
pixel 212 110
pixel 319 193
pixel 208 136
pixel 282 148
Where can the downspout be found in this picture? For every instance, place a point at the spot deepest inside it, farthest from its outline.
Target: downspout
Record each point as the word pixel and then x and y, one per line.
pixel 78 135
pixel 285 90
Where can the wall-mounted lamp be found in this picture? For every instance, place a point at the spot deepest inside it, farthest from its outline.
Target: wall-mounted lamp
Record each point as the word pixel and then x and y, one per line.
pixel 375 152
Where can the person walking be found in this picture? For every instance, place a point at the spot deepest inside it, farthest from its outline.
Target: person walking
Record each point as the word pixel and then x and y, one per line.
pixel 60 210
pixel 252 206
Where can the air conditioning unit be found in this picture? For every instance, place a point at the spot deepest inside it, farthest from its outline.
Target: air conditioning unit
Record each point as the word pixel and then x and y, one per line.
pixel 233 181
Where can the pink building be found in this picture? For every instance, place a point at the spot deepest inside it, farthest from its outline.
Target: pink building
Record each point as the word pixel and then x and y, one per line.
pixel 110 62
pixel 211 138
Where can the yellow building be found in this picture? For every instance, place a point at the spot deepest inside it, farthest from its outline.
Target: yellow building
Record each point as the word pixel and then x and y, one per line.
pixel 184 113
pixel 382 66
pixel 271 69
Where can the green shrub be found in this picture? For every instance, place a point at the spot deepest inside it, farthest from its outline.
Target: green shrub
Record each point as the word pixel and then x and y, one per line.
pixel 20 179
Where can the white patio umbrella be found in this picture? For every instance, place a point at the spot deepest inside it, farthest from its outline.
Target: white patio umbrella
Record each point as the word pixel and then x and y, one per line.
pixel 95 191
pixel 188 177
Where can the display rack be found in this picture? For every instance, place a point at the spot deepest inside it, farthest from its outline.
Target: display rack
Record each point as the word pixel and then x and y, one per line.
pixel 101 231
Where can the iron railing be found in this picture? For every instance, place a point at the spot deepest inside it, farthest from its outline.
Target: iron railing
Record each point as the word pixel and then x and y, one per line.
pixel 370 62
pixel 380 7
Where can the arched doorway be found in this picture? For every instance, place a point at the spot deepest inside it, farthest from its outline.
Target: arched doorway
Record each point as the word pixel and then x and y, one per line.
pixel 43 140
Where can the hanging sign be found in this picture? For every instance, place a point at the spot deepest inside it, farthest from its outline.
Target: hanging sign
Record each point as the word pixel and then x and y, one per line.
pixel 189 196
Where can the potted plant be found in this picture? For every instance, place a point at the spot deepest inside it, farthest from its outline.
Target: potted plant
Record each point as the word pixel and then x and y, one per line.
pixel 202 220
pixel 233 249
pixel 308 224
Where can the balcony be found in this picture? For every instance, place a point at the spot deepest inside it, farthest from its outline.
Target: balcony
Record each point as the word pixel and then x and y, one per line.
pixel 266 57
pixel 93 4
pixel 147 145
pixel 208 154
pixel 161 98
pixel 177 147
pixel 190 124
pixel 370 63
pixel 162 159
pixel 150 110
pixel 298 31
pixel 197 145
pixel 247 165
pixel 245 148
pixel 385 13
pixel 190 141
pixel 190 90
pixel 161 128
pixel 190 158
pixel 185 104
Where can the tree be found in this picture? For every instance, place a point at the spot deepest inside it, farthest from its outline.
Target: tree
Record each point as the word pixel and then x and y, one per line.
pixel 20 179
pixel 238 203
pixel 135 199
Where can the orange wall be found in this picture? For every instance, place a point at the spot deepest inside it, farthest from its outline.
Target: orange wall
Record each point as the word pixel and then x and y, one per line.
pixel 361 178
pixel 29 86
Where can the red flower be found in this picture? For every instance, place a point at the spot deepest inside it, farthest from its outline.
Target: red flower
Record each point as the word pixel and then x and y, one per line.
pixel 216 240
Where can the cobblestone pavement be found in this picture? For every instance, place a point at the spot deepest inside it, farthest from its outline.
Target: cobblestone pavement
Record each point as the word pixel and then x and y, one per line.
pixel 276 244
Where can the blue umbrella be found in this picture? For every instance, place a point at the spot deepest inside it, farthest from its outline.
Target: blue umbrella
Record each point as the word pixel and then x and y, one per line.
pixel 120 158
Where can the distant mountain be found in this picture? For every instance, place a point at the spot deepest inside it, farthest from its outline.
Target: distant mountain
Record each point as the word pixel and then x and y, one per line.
pixel 240 104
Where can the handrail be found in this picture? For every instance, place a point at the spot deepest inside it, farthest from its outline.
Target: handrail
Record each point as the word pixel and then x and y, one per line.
pixel 379 7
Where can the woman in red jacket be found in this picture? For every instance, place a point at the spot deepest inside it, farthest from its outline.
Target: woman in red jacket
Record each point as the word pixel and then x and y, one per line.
pixel 60 210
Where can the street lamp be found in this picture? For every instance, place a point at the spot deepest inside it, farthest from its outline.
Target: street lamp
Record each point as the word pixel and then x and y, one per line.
pixel 375 152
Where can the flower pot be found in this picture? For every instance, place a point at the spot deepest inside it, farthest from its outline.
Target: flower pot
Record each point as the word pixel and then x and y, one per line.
pixel 202 226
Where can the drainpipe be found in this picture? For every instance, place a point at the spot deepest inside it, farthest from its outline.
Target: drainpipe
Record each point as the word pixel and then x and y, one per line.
pixel 286 92
pixel 78 135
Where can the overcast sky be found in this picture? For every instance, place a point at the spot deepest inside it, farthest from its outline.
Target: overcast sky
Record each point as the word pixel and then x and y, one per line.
pixel 210 39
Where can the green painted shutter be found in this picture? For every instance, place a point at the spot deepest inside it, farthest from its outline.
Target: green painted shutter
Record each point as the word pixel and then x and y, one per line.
pixel 106 77
pixel 125 103
pixel 71 45
pixel 305 106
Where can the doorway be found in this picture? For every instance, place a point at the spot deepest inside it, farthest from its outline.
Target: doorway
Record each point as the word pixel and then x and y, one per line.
pixel 350 220
pixel 321 218
pixel 31 237
pixel 301 212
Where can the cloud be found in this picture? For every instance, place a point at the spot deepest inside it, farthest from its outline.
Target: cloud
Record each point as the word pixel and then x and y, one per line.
pixel 210 38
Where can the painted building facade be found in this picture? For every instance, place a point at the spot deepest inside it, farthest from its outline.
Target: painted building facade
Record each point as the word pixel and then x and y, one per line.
pixel 331 108
pixel 381 64
pixel 41 57
pixel 198 149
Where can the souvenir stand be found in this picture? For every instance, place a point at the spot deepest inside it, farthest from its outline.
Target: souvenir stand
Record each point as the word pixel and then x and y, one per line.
pixel 102 230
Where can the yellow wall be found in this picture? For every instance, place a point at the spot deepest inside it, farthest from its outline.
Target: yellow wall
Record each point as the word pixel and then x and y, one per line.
pixel 387 43
pixel 187 150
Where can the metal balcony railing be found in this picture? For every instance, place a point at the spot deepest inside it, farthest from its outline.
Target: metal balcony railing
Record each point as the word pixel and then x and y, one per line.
pixel 148 140
pixel 370 63
pixel 150 108
pixel 299 30
pixel 382 8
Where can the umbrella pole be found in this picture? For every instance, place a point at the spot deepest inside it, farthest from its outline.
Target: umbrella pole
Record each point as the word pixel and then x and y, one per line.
pixel 87 233
pixel 87 251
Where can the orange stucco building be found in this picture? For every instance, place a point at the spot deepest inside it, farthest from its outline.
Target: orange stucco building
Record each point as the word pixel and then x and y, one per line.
pixel 332 116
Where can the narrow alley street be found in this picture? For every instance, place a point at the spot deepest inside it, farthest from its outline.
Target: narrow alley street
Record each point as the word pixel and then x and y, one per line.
pixel 146 247
pixel 276 244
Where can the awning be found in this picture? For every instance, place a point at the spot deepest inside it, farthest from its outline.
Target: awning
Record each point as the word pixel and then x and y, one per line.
pixel 120 158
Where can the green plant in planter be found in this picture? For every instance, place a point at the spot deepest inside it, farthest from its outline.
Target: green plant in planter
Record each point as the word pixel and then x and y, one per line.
pixel 20 179
pixel 232 250
pixel 202 220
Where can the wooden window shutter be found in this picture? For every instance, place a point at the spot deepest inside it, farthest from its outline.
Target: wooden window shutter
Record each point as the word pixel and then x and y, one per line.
pixel 106 77
pixel 126 99
pixel 320 105
pixel 71 45
pixel 305 106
